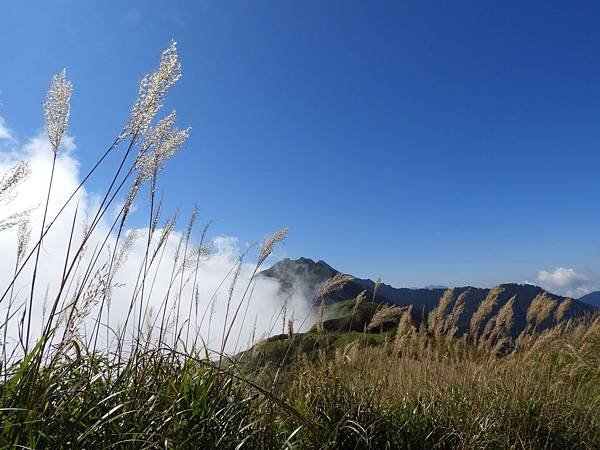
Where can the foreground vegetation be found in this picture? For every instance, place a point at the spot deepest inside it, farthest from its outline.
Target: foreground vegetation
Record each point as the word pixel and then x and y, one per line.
pixel 340 390
pixel 366 375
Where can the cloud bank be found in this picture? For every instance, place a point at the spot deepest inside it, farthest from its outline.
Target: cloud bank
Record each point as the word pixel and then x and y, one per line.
pixel 205 305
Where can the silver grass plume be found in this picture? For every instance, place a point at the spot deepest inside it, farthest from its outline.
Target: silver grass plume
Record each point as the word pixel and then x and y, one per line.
pixel 451 321
pixel 320 318
pixel 497 330
pixel 164 235
pixel 284 314
pixel 384 315
pixel 236 275
pixel 151 92
pixel 23 237
pixel 156 217
pixel 333 284
pixel 12 178
pixel 540 308
pixel 198 255
pixel 436 318
pixel 131 195
pixel 484 309
pixel 128 242
pixel 160 144
pixel 358 301
pixel 405 330
pixel 505 317
pixel 406 326
pixel 562 309
pixel 191 222
pixel 269 244
pixel 56 109
pixel 361 297
pixel 196 298
pixel 177 253
pixel 13 220
pixel 376 288
pixel 154 134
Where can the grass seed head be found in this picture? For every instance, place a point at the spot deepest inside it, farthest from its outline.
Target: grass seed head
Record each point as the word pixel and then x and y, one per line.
pixel 384 315
pixel 151 92
pixel 269 244
pixel 56 109
pixel 333 284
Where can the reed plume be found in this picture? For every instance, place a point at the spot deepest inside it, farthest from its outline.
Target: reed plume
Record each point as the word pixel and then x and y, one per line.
pixel 562 309
pixel 23 238
pixel 357 302
pixel 451 321
pixel 539 309
pixel 160 144
pixel 332 284
pixel 405 331
pixel 56 108
pixel 384 315
pixel 498 330
pixel 130 237
pixel 11 179
pixel 151 92
pixel 437 317
pixel 9 183
pixel 483 311
pixel 376 287
pixel 320 318
pixel 269 244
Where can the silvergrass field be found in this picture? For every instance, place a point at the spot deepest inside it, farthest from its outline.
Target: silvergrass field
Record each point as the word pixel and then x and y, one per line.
pixel 471 370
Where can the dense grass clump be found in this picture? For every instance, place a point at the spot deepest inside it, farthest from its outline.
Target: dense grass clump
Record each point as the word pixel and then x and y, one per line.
pixel 152 399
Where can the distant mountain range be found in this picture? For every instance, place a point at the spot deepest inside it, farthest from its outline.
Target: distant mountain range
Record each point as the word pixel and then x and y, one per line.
pixel 307 276
pixel 593 298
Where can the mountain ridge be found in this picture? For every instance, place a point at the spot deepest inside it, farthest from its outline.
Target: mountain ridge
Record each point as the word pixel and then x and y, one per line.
pixel 307 276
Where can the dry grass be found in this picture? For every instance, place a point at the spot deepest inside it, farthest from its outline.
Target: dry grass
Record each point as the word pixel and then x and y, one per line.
pixel 429 392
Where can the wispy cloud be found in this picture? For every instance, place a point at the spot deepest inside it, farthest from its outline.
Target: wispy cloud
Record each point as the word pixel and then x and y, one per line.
pixel 5 132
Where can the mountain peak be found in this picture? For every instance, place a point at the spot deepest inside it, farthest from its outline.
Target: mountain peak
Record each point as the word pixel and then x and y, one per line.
pixel 323 263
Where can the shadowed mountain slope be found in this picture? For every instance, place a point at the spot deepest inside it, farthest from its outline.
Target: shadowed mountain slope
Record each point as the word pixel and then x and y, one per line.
pixel 593 298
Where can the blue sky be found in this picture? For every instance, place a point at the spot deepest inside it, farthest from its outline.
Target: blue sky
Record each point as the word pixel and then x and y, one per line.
pixel 439 142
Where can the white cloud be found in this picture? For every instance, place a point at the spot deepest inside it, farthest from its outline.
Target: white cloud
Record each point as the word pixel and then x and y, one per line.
pixel 564 281
pixel 562 277
pixel 259 313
